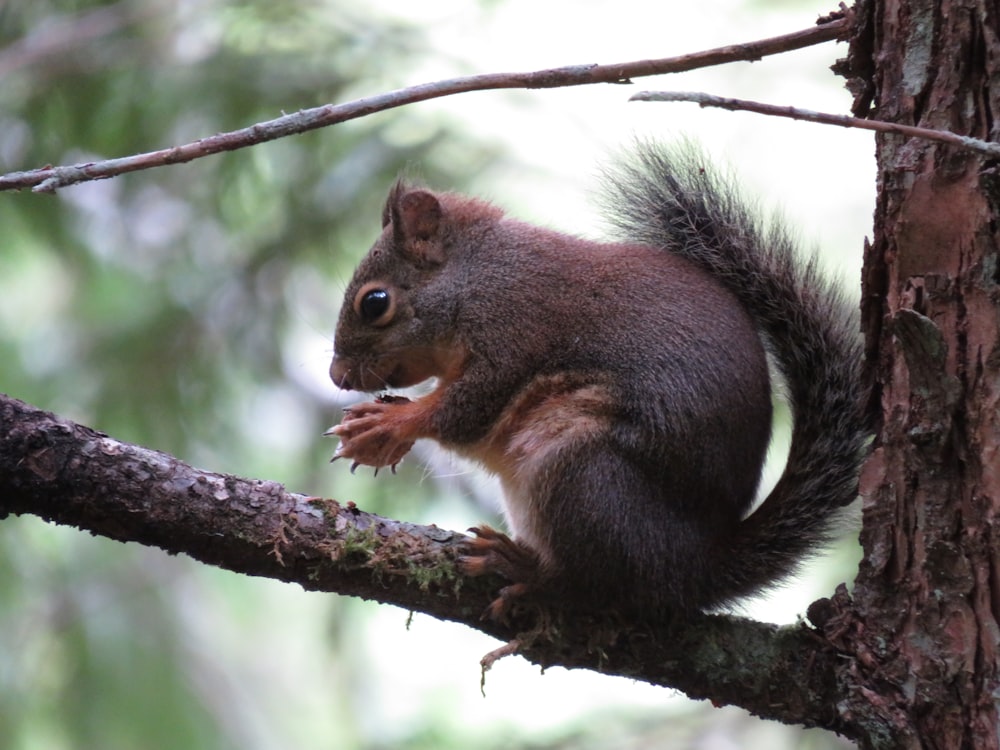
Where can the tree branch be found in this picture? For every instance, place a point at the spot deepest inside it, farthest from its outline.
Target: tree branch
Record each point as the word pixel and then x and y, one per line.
pixel 67 473
pixel 49 179
pixel 824 118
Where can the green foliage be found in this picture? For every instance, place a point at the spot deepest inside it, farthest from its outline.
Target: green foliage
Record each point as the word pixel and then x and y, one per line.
pixel 189 308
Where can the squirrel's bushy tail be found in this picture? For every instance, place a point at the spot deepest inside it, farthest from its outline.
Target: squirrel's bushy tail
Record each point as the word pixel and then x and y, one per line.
pixel 668 197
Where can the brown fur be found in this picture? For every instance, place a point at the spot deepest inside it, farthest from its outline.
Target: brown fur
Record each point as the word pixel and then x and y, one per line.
pixel 619 391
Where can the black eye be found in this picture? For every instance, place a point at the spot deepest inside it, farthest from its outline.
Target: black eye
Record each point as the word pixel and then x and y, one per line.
pixel 374 304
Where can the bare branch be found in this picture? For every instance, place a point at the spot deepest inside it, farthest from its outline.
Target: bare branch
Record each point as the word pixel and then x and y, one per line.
pixel 70 474
pixel 50 179
pixel 824 118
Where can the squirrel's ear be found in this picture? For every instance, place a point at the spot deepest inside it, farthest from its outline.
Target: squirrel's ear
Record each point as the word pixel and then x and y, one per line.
pixel 416 224
pixel 397 190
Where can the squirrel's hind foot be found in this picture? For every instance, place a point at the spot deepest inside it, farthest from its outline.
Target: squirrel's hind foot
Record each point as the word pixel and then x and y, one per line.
pixel 491 551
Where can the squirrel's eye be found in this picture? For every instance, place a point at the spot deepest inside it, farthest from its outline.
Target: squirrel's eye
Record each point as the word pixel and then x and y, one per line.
pixel 374 304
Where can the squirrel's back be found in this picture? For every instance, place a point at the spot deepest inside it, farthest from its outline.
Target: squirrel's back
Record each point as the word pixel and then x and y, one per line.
pixel 683 366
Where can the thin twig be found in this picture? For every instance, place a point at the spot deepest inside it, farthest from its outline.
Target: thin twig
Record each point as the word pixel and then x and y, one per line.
pixel 844 121
pixel 50 179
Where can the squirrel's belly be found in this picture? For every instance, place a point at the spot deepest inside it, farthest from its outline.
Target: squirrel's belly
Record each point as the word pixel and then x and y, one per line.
pixel 548 419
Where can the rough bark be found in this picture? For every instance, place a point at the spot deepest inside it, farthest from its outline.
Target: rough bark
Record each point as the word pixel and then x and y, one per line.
pixel 923 622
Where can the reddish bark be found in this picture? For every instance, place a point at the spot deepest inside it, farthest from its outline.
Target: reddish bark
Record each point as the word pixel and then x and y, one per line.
pixel 923 622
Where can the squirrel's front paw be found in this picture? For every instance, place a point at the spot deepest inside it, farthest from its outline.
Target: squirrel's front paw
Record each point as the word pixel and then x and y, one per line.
pixel 374 433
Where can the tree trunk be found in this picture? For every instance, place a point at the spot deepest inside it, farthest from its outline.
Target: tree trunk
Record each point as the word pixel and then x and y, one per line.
pixel 923 622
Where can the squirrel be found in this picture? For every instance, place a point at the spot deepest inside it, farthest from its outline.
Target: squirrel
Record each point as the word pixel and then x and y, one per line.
pixel 619 390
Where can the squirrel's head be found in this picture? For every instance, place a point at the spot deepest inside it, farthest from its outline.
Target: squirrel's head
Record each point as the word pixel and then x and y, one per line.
pixel 396 325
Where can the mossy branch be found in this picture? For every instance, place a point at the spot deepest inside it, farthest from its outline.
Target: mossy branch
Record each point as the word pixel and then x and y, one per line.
pixel 70 474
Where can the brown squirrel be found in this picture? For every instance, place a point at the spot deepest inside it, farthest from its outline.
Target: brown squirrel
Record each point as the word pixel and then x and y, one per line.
pixel 620 391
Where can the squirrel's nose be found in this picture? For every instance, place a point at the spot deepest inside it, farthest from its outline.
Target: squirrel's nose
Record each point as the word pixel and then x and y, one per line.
pixel 340 374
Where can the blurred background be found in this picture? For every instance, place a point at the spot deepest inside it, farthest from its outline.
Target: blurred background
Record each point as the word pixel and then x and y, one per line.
pixel 191 309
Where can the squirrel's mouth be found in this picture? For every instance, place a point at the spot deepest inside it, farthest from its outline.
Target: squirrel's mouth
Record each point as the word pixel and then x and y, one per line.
pixel 354 376
pixel 403 376
pixel 400 369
